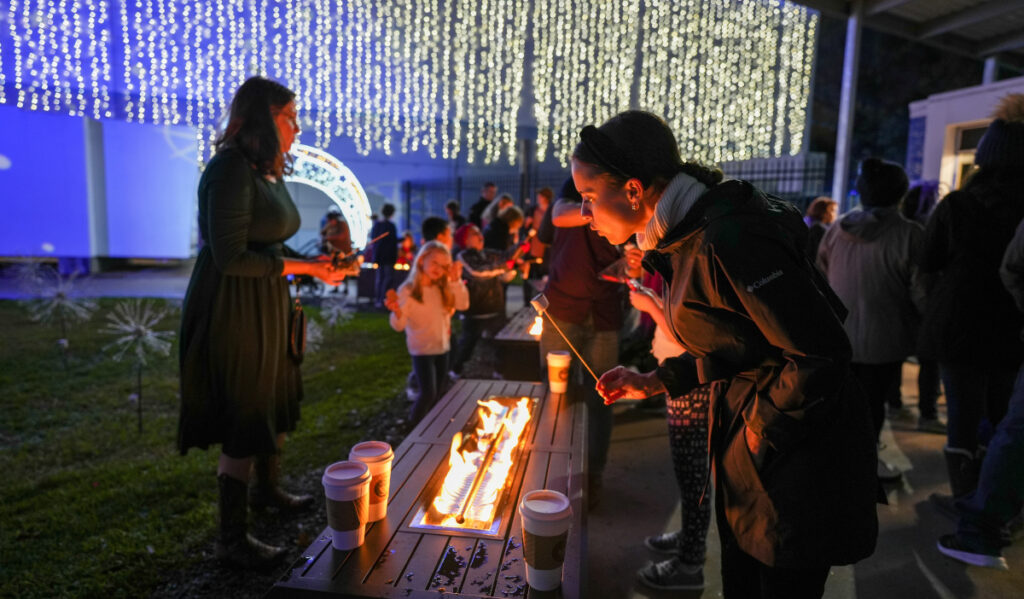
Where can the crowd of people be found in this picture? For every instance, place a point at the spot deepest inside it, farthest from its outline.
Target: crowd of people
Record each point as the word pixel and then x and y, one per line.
pixel 778 339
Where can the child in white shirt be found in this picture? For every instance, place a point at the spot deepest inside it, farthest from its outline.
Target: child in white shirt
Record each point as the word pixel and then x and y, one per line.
pixel 423 308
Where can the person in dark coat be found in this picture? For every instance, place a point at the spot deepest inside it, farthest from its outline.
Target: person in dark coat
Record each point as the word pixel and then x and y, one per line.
pixel 239 386
pixel 486 273
pixel 500 234
pixel 487 194
pixel 869 257
pixel 983 514
pixel 455 218
pixel 820 215
pixel 971 324
pixel 385 253
pixel 917 206
pixel 791 436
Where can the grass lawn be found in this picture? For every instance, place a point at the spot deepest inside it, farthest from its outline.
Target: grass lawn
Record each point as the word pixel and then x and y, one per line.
pixel 89 506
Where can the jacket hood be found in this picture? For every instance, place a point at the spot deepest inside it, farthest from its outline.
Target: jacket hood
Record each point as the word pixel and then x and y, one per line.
pixel 733 197
pixel 718 201
pixel 868 224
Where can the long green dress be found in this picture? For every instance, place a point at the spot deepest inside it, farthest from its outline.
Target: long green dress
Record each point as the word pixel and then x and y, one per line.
pixel 239 387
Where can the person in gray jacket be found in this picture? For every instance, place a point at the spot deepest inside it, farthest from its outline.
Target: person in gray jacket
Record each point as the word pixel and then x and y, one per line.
pixel 870 259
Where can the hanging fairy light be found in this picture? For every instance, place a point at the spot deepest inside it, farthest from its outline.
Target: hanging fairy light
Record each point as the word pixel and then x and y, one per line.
pixel 440 76
pixel 731 78
pixel 45 43
pixel 583 67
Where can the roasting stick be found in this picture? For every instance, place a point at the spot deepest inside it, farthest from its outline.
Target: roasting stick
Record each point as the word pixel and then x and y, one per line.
pixel 485 464
pixel 540 304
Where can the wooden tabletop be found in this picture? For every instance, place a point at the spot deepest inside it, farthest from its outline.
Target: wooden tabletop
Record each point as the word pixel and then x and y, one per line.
pixel 518 327
pixel 399 561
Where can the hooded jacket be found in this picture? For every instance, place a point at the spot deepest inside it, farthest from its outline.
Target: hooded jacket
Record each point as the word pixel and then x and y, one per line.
pixel 486 275
pixel 754 313
pixel 870 259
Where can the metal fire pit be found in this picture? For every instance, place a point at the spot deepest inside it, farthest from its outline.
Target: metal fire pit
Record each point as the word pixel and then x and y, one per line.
pixel 519 351
pixel 399 559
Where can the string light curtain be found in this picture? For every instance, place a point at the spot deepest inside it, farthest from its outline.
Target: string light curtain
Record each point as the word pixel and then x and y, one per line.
pixel 445 76
pixel 56 56
pixel 731 78
pixel 583 69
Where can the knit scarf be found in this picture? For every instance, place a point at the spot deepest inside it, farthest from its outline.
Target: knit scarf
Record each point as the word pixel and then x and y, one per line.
pixel 679 196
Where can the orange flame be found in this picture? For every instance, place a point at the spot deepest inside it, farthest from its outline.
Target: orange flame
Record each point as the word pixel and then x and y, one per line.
pixel 500 428
pixel 538 326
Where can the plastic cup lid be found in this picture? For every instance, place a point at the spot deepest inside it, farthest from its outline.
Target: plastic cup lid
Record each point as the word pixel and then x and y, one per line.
pixel 545 504
pixel 370 451
pixel 345 474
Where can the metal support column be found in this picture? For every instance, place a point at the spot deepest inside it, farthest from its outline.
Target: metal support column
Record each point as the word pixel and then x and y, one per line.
pixel 407 202
pixel 991 70
pixel 847 102
pixel 96 193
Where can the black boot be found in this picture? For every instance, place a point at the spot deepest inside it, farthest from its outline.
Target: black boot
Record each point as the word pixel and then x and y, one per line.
pixel 267 493
pixel 235 546
pixel 963 468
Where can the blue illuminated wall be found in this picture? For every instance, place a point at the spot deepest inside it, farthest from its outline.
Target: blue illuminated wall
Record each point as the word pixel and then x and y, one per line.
pixel 151 179
pixel 74 187
pixel 43 188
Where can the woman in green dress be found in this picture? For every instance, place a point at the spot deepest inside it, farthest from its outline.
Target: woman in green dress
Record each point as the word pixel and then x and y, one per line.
pixel 239 386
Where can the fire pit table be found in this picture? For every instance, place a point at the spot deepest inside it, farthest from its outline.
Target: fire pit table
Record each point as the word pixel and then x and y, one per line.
pixel 518 346
pixel 452 529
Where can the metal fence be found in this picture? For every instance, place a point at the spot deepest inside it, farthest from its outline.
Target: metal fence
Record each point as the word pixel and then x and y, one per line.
pixel 798 179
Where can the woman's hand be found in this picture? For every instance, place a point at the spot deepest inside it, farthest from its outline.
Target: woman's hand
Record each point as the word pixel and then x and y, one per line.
pixel 622 383
pixel 644 302
pixel 634 261
pixel 323 268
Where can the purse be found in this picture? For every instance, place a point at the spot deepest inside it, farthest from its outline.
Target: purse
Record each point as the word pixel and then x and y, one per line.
pixel 297 330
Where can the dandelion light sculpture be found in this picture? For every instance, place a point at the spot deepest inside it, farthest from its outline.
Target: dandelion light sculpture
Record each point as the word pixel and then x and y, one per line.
pixel 132 323
pixel 336 312
pixel 314 335
pixel 54 300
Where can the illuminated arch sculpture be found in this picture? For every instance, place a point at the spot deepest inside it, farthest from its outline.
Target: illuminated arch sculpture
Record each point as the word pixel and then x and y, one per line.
pixel 319 169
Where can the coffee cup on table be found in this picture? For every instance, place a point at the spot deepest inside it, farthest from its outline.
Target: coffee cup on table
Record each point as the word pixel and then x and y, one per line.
pixel 558 370
pixel 377 455
pixel 546 516
pixel 347 486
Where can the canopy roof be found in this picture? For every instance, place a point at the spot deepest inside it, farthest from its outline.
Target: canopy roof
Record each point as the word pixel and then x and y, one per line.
pixel 976 28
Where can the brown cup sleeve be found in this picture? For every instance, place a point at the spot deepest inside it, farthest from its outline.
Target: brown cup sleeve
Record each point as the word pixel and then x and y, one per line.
pixel 544 553
pixel 348 515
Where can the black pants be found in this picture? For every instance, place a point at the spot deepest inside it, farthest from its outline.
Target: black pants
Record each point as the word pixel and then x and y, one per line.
pixel 432 372
pixel 928 388
pixel 743 577
pixel 881 383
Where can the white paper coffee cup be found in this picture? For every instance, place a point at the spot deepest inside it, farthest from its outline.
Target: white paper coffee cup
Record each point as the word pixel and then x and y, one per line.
pixel 558 370
pixel 347 486
pixel 377 455
pixel 546 516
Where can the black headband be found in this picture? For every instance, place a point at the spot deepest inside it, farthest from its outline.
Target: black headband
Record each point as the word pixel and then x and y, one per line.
pixel 609 155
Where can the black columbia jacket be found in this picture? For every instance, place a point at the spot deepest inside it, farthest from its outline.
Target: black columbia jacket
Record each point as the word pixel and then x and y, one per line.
pixel 752 312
